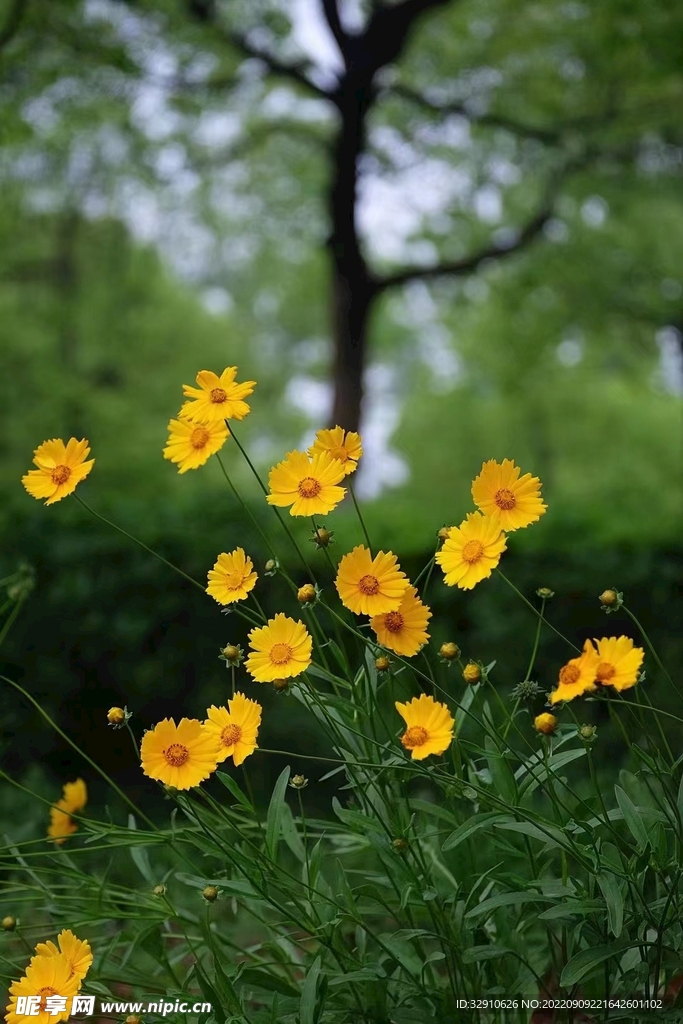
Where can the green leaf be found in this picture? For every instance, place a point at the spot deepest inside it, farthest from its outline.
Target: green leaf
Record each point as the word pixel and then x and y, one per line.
pixel 309 994
pixel 468 828
pixel 291 835
pixel 140 858
pixel 230 784
pixel 679 799
pixel 635 823
pixel 501 774
pixel 463 707
pixel 210 994
pixel 476 953
pixel 548 834
pixel 253 977
pixel 611 890
pixel 579 965
pixel 275 813
pixel 504 899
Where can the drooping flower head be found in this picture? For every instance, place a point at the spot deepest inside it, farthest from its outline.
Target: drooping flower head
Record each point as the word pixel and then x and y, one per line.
pixel 618 662
pixel 232 577
pixel 74 798
pixel 405 629
pixel 500 491
pixel 281 649
pixel 471 551
pixel 61 467
pixel 370 586
pixel 429 726
pixel 235 727
pixel 192 444
pixel 217 398
pixel 577 676
pixel 340 444
pixel 180 755
pixel 46 977
pixel 308 484
pixel 77 951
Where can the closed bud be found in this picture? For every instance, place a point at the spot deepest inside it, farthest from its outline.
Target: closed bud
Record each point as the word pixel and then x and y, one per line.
pixel 281 684
pixel 443 533
pixel 545 592
pixel 399 844
pixel 271 567
pixel 471 672
pixel 322 537
pixel 588 733
pixel 545 723
pixel 299 782
pixel 307 594
pixel 611 600
pixel 210 893
pixel 159 890
pixel 232 655
pixel 9 923
pixel 116 717
pixel 382 663
pixel 133 1018
pixel 449 651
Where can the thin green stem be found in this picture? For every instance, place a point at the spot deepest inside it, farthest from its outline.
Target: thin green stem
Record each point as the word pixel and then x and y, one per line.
pixel 359 514
pixel 535 610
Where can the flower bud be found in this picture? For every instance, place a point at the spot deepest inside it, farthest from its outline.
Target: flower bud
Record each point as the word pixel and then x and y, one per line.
pixel 527 690
pixel 471 672
pixel 588 733
pixel 545 723
pixel 449 651
pixel 545 592
pixel 382 663
pixel 133 1018
pixel 322 537
pixel 399 844
pixel 611 600
pixel 298 782
pixel 9 923
pixel 281 684
pixel 116 717
pixel 307 594
pixel 210 893
pixel 159 890
pixel 443 533
pixel 232 655
pixel 271 567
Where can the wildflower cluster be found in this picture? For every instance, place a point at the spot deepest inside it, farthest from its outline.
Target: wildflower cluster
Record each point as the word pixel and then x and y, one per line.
pixel 53 976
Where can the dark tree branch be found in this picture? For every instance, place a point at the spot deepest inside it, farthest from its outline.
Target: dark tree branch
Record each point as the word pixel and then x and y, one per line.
pixel 331 12
pixel 388 28
pixel 296 72
pixel 13 22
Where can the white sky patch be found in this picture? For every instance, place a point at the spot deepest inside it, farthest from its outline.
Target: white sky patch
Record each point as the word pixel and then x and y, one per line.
pixel 570 351
pixel 594 211
pixel 312 34
pixel 670 370
pixel 380 467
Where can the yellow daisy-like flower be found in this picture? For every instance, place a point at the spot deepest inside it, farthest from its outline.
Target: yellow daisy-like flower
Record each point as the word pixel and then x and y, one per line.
pixel 180 755
pixel 236 727
pixel 618 662
pixel 577 676
pixel 308 484
pixel 217 398
pixel 429 726
pixel 343 445
pixel 281 649
pixel 192 444
pixel 61 467
pixel 499 490
pixel 404 630
pixel 471 551
pixel 370 586
pixel 77 951
pixel 74 798
pixel 232 577
pixel 46 976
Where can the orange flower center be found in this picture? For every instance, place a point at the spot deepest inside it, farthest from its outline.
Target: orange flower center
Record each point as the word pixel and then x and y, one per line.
pixel 569 674
pixel 44 993
pixel 230 735
pixel 199 437
pixel 309 487
pixel 368 585
pixel 414 737
pixel 505 499
pixel 339 453
pixel 393 621
pixel 233 580
pixel 60 474
pixel 605 671
pixel 472 551
pixel 176 754
pixel 218 396
pixel 280 654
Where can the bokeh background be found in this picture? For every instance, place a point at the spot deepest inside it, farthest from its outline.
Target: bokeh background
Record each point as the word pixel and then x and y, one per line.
pixel 475 207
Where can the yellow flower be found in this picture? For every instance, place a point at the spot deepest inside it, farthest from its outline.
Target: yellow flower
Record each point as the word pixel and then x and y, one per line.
pixel 309 485
pixel 577 676
pixel 192 444
pixel 471 551
pixel 217 398
pixel 61 467
pixel 77 951
pixel 545 723
pixel 405 629
pixel 619 662
pixel 235 727
pixel 232 577
pixel 280 650
pixel 500 491
pixel 342 445
pixel 180 755
pixel 46 976
pixel 370 586
pixel 74 799
pixel 429 726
